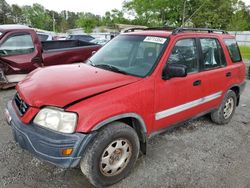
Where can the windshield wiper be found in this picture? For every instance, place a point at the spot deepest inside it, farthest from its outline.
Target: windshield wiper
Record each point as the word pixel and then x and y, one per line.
pixel 110 67
pixel 89 62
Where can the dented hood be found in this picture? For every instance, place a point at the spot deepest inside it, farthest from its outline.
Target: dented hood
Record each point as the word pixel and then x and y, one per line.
pixel 61 85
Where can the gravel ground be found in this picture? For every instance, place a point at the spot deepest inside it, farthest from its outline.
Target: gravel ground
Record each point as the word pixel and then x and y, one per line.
pixel 200 154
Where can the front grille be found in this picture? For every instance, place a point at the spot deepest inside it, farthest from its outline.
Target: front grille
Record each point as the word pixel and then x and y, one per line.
pixel 21 106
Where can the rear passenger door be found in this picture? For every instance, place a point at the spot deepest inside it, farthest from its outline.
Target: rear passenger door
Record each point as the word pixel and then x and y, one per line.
pixel 215 72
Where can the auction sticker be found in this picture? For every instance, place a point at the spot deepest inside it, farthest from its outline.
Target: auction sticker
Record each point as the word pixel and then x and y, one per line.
pixel 158 40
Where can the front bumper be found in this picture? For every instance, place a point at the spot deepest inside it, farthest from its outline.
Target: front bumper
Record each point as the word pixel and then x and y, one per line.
pixel 46 144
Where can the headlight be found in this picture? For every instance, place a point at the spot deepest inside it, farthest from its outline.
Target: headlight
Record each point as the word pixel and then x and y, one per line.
pixel 57 120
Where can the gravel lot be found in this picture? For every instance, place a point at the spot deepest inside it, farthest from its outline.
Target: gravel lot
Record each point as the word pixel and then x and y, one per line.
pixel 200 154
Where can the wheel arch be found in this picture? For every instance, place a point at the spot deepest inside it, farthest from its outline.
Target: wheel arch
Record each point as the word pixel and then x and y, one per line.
pixel 133 120
pixel 236 89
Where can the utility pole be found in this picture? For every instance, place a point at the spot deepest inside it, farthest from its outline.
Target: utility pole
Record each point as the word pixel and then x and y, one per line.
pixel 184 13
pixel 54 22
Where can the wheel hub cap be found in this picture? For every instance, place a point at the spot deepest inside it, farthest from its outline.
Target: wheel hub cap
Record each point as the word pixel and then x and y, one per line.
pixel 115 157
pixel 228 108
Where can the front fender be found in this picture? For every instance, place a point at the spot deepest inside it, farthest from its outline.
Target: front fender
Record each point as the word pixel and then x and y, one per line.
pixel 121 116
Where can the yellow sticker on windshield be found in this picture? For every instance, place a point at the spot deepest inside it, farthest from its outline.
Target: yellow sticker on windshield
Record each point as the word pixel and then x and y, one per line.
pixel 158 40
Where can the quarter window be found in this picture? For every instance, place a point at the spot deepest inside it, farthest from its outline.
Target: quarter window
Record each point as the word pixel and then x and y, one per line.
pixel 185 52
pixel 17 45
pixel 212 53
pixel 233 50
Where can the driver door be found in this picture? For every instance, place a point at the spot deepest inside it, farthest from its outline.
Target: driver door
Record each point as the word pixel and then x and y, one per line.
pixel 178 99
pixel 17 49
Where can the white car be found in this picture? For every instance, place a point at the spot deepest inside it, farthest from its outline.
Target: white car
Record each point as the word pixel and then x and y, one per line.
pixel 100 41
pixel 45 36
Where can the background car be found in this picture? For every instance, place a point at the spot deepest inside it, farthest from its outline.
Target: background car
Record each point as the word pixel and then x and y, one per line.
pixel 99 41
pixel 81 37
pixel 45 37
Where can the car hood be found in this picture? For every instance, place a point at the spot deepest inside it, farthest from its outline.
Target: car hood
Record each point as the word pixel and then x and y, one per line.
pixel 65 84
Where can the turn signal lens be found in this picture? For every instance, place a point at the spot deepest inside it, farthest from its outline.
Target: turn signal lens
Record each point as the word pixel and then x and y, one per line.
pixel 67 151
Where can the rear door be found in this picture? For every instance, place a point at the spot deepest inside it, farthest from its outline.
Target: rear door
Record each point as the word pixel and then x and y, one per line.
pixel 216 73
pixel 17 49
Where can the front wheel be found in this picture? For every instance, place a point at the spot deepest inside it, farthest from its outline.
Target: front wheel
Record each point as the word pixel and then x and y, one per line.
pixel 111 156
pixel 226 110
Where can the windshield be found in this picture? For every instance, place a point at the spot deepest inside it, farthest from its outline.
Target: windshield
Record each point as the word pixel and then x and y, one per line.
pixel 127 54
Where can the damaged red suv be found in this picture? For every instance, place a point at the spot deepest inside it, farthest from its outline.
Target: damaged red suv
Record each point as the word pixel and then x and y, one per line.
pixel 99 115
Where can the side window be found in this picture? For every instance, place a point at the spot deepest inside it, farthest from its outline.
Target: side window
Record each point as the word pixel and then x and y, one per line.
pixel 233 50
pixel 17 45
pixel 185 52
pixel 212 53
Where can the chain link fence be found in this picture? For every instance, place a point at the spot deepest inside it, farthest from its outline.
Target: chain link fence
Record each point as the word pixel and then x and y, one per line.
pixel 242 37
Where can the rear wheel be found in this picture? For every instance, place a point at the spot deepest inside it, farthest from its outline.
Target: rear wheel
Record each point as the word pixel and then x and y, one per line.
pixel 112 155
pixel 226 110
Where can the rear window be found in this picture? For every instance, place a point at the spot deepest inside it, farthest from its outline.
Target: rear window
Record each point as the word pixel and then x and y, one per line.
pixel 233 50
pixel 43 37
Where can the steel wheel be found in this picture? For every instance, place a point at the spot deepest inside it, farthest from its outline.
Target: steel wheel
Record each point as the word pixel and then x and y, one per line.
pixel 228 108
pixel 115 157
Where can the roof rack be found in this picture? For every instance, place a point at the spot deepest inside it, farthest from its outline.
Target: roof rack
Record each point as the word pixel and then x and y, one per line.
pixel 164 28
pixel 175 31
pixel 134 29
pixel 182 29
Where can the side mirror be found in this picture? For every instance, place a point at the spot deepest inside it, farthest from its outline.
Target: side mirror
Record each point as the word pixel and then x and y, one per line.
pixel 174 70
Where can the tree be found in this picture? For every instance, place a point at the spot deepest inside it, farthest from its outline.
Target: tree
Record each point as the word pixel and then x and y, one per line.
pixel 156 12
pixel 240 18
pixel 17 14
pixel 200 13
pixel 213 13
pixel 38 17
pixel 114 17
pixel 5 13
pixel 88 21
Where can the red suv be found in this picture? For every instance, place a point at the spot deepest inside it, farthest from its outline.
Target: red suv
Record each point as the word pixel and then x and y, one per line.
pixel 99 115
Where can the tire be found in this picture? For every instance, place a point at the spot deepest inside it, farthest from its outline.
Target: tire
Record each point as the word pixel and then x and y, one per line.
pixel 225 112
pixel 118 143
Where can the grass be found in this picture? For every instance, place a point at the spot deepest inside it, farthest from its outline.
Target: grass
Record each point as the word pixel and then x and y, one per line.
pixel 245 52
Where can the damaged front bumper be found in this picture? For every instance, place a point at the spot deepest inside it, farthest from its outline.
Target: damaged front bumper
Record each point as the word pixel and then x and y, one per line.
pixel 48 145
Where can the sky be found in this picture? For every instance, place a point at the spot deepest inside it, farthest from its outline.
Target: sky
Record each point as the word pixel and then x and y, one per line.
pixel 98 7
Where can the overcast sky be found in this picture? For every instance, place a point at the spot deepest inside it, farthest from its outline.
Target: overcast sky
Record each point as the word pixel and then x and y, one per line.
pixel 94 6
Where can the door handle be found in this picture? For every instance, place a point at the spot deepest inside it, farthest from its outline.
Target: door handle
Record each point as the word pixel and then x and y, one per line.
pixel 228 74
pixel 197 83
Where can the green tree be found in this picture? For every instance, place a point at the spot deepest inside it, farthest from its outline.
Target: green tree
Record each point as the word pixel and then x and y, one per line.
pixel 212 13
pixel 37 16
pixel 240 20
pixel 88 21
pixel 114 17
pixel 5 12
pixel 156 12
pixel 17 14
pixel 200 13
